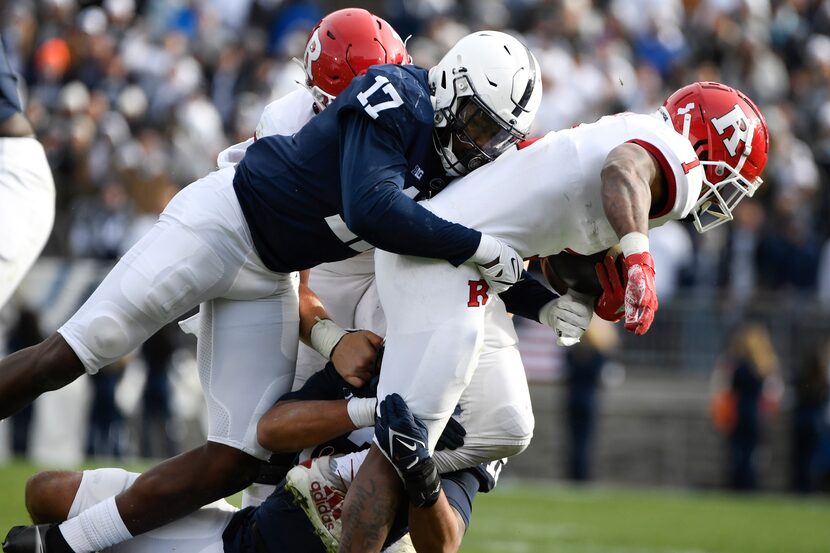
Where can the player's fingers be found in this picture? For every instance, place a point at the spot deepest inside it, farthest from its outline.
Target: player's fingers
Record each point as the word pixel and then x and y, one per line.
pixel 632 316
pixel 614 281
pixel 645 321
pixel 570 329
pixel 602 275
pixel 566 341
pixel 572 319
pixel 357 380
pixel 374 339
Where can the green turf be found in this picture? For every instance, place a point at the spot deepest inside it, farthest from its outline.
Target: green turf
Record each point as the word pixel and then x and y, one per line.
pixel 541 517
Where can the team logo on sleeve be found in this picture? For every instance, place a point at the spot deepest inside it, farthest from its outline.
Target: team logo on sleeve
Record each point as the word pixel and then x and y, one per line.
pixel 478 293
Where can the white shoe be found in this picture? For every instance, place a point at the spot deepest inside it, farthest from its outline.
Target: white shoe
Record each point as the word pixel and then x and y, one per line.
pixel 319 492
pixel 403 545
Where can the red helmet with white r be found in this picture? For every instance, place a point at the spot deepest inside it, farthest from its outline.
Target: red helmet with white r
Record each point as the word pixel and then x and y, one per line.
pixel 731 139
pixel 343 45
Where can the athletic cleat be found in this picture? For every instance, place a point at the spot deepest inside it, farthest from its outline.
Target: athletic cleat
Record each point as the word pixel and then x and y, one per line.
pixel 319 492
pixel 26 539
pixel 403 545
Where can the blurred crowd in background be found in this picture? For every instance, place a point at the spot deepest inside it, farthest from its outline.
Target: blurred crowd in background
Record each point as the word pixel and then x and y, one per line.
pixel 133 100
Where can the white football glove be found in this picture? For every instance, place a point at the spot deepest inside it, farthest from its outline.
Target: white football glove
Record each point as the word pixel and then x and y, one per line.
pixel 499 264
pixel 568 316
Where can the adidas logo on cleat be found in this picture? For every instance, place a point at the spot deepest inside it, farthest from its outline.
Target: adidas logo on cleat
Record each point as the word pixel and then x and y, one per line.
pixel 327 501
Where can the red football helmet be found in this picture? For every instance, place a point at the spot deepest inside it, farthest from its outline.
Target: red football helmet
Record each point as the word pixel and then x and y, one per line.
pixel 343 45
pixel 731 139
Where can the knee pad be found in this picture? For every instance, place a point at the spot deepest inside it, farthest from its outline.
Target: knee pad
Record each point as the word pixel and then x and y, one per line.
pixel 108 333
pixel 98 485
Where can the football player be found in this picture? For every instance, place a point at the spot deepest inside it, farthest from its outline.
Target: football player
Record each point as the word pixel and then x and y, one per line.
pixel 586 189
pixel 344 181
pixel 27 191
pixel 314 417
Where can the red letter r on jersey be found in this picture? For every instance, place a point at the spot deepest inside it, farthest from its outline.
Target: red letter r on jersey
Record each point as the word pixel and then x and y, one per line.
pixel 478 293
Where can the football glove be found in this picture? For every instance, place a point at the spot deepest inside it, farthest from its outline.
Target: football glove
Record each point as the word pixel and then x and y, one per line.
pixel 499 264
pixel 640 294
pixel 610 305
pixel 452 437
pixel 402 438
pixel 568 316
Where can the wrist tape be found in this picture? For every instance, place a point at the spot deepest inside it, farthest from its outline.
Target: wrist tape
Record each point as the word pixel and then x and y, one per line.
pixel 634 242
pixel 362 411
pixel 325 334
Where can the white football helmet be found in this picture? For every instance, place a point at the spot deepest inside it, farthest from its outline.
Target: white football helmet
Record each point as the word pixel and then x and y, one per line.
pixel 485 92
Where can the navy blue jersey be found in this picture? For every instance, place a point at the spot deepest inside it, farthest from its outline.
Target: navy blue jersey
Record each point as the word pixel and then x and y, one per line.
pixel 9 97
pixel 280 526
pixel 327 384
pixel 346 181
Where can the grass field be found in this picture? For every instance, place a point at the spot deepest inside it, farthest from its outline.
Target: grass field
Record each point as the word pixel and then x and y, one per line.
pixel 542 517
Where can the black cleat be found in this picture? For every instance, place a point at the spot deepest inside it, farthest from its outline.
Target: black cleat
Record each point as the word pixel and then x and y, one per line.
pixel 26 539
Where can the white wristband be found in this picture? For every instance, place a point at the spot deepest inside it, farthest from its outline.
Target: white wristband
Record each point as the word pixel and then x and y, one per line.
pixel 487 251
pixel 325 334
pixel 634 242
pixel 362 411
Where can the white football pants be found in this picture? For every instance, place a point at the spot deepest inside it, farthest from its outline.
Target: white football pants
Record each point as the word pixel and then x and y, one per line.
pixel 27 209
pixel 200 252
pixel 449 344
pixel 199 532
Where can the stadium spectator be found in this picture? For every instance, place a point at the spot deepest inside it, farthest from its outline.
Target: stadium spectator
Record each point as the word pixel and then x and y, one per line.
pixel 584 364
pixel 812 391
pixel 24 332
pixel 749 377
pixel 105 434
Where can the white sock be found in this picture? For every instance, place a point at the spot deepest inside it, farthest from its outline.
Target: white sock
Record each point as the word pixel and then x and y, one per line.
pixel 346 467
pixel 95 529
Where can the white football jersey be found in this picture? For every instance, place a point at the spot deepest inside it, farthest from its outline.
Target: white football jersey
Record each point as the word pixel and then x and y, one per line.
pixel 547 198
pixel 284 116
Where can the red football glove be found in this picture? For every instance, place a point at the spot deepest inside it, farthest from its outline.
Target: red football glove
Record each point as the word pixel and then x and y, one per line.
pixel 609 305
pixel 640 295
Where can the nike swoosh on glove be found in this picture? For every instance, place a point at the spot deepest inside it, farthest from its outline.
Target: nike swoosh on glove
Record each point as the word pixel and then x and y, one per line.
pixel 640 294
pixel 403 439
pixel 499 264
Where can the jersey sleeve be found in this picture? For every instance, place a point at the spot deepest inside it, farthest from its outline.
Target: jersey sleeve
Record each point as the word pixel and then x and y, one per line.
pixel 9 97
pixel 526 297
pixel 286 115
pixel 325 384
pixel 678 162
pixel 373 169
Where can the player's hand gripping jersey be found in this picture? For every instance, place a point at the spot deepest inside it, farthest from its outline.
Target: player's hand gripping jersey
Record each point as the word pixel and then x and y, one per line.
pixel 346 180
pixel 556 203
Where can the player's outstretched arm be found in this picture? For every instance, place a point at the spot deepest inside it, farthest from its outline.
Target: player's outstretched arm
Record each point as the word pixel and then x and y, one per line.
pixel 354 354
pixel 373 170
pixel 316 413
pixel 294 425
pixel 631 184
